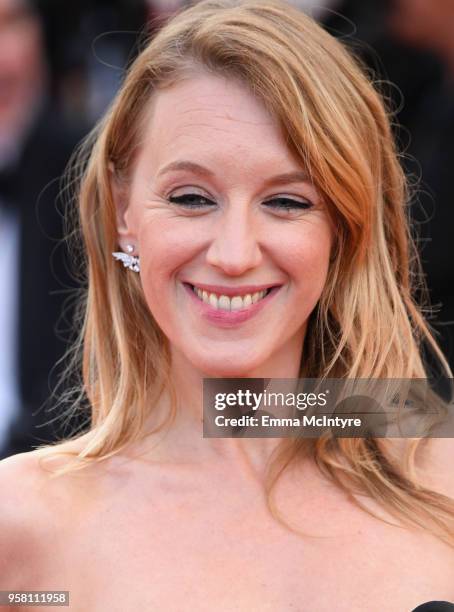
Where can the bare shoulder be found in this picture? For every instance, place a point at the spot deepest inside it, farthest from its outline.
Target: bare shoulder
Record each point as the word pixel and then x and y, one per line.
pixel 33 509
pixel 21 514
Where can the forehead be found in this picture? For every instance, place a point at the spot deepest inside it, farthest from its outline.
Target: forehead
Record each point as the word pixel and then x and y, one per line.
pixel 212 117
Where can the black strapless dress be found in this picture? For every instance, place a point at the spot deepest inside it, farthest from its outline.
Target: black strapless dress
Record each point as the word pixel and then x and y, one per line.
pixel 435 606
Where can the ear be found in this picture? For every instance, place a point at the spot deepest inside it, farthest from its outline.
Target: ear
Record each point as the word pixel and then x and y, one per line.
pixel 120 194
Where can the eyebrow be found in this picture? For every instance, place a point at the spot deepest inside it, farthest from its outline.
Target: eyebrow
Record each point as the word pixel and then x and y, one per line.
pixel 298 176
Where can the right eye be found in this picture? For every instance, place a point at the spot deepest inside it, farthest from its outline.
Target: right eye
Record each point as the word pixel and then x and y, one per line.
pixel 191 200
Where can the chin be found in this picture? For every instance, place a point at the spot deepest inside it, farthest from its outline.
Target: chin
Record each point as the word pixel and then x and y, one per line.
pixel 225 372
pixel 228 367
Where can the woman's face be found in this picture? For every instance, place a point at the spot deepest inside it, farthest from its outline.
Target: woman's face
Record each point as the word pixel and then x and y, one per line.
pixel 234 241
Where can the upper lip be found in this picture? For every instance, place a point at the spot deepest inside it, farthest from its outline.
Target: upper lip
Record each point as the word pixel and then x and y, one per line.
pixel 232 291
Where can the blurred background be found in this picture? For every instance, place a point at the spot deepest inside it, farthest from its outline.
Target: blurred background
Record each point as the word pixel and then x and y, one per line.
pixel 60 66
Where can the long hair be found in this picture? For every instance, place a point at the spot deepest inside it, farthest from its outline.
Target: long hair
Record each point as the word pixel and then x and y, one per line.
pixel 367 322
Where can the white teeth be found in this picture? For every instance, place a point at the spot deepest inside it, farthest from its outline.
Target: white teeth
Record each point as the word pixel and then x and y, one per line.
pixel 236 303
pixel 223 302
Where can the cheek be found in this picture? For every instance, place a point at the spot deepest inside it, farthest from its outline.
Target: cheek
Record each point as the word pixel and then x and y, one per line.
pixel 164 247
pixel 305 257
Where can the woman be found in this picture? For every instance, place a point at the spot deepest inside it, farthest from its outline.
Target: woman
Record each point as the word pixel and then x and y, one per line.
pixel 247 178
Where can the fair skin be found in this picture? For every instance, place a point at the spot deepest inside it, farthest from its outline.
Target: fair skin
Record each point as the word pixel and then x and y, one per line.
pixel 181 522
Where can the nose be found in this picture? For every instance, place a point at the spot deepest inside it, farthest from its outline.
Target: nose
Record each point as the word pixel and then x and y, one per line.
pixel 235 247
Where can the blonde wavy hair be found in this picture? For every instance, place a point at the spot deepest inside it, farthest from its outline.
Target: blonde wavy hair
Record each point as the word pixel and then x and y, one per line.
pixel 367 322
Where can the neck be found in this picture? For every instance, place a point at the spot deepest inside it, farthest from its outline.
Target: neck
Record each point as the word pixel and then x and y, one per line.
pixel 183 440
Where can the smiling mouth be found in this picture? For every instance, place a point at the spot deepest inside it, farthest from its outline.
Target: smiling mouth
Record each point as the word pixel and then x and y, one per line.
pixel 230 303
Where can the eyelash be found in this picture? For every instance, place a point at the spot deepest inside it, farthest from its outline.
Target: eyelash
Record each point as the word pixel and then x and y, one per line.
pixel 180 200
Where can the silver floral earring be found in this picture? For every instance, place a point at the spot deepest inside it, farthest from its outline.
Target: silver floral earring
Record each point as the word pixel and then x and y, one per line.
pixel 128 260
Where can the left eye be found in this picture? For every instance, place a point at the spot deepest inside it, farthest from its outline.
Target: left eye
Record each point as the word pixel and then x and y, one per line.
pixel 191 200
pixel 288 204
